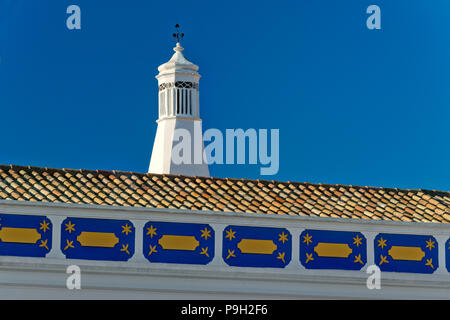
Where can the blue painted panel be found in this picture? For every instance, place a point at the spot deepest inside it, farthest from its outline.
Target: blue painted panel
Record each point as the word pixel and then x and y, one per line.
pixel 38 227
pixel 322 249
pixel 75 242
pixel 406 253
pixel 174 242
pixel 237 249
pixel 447 254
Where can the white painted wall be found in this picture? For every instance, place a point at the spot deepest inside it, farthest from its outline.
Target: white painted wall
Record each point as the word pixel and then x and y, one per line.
pixel 41 278
pixel 161 160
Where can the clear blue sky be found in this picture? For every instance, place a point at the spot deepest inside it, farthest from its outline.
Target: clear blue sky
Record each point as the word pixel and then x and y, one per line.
pixel 353 106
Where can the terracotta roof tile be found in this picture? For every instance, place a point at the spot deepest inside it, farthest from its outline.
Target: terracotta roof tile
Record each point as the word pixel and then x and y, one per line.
pixel 116 188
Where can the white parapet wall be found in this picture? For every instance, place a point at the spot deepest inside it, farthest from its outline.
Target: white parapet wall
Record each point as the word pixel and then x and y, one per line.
pixel 138 278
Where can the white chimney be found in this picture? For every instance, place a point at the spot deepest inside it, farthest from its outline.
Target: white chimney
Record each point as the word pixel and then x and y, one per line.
pixel 178 109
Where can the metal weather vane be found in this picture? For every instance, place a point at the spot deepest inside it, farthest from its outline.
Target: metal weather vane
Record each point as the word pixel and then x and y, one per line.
pixel 179 35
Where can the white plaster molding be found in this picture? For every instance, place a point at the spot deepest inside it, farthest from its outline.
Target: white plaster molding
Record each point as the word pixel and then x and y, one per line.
pixel 139 278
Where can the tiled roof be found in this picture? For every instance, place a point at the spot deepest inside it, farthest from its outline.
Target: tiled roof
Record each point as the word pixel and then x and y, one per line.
pixel 116 188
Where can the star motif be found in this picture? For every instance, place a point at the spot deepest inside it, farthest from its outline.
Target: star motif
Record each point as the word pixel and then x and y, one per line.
pixel 382 243
pixel 151 231
pixel 429 263
pixel 44 243
pixel 69 245
pixel 44 226
pixel 230 234
pixel 70 227
pixel 125 248
pixel 383 260
pixel 281 256
pixel 430 244
pixel 205 233
pixel 283 237
pixel 358 259
pixel 307 239
pixel 357 240
pixel 152 249
pixel 126 229
pixel 205 251
pixel 309 257
pixel 230 254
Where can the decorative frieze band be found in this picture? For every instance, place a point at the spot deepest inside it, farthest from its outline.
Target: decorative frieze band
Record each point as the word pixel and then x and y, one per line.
pixel 241 246
pixel 178 84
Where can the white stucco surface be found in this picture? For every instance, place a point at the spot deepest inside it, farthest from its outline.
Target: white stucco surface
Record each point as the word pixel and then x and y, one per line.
pixel 42 278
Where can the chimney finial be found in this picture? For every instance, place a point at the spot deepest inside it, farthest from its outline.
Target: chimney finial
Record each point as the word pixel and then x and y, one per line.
pixel 179 35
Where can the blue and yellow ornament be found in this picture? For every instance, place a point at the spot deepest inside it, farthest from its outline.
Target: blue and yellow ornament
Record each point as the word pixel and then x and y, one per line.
pixel 323 249
pixel 406 253
pixel 175 242
pixel 25 235
pixel 97 239
pixel 447 254
pixel 256 246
